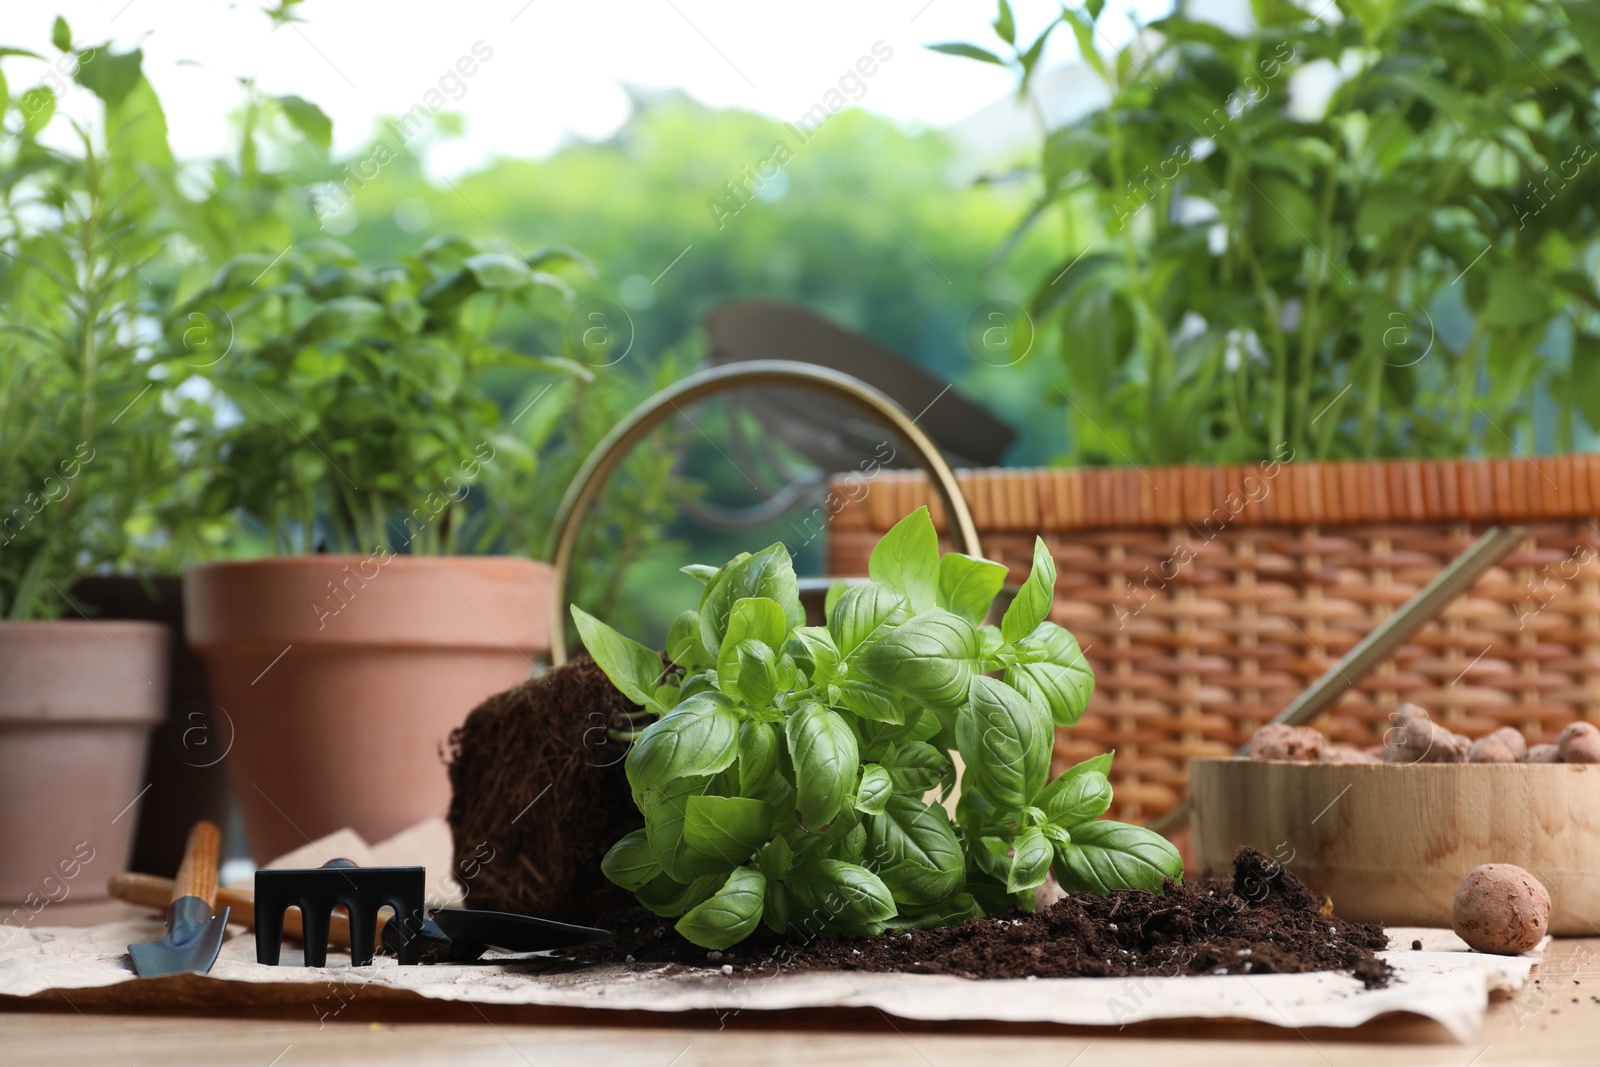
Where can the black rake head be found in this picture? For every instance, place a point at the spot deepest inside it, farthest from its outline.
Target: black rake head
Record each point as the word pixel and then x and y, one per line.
pixel 361 891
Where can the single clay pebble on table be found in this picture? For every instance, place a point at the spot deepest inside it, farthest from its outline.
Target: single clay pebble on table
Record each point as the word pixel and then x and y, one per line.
pixel 1501 908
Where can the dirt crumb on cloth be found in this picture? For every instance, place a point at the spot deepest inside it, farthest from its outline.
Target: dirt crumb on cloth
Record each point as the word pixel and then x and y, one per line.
pixel 1258 920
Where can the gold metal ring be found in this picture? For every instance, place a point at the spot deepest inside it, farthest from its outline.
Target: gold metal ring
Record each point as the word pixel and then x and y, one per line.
pixel 586 485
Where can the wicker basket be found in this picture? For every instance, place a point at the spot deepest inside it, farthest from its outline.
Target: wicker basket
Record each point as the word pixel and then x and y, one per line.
pixel 1206 598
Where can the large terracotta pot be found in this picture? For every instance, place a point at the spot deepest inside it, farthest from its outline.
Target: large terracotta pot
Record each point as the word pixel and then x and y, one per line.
pixel 344 675
pixel 77 703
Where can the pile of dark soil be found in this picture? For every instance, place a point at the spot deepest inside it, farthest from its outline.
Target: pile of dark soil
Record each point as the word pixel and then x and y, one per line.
pixel 1259 920
pixel 539 795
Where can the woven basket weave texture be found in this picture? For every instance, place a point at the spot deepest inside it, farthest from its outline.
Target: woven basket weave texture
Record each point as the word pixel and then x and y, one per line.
pixel 1207 598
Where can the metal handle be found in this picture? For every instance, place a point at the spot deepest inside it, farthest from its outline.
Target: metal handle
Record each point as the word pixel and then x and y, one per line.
pixel 586 485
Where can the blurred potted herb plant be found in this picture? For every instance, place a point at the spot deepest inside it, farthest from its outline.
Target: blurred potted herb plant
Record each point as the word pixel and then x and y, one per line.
pixel 87 426
pixel 355 432
pixel 1361 234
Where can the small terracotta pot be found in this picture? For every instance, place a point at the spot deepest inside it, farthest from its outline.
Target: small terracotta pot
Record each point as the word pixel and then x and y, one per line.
pixel 344 675
pixel 77 703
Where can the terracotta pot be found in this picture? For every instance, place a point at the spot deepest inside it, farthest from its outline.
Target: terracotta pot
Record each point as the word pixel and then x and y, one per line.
pixel 344 675
pixel 77 703
pixel 184 761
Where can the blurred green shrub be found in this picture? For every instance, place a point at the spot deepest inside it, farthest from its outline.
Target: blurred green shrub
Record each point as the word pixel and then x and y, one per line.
pixel 1405 269
pixel 86 425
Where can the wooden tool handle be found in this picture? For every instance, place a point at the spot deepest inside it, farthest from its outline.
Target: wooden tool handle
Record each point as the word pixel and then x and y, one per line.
pixel 154 892
pixel 197 876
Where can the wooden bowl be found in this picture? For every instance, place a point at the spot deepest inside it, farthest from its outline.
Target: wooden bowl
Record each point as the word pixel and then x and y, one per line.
pixel 1391 844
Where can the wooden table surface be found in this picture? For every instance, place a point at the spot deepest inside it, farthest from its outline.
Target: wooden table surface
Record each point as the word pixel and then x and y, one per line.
pixel 1556 1020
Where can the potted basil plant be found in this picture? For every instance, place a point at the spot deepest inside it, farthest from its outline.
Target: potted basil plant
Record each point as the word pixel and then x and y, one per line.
pixel 791 775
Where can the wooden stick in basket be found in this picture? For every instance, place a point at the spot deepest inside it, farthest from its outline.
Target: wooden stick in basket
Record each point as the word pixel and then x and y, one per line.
pixel 1382 642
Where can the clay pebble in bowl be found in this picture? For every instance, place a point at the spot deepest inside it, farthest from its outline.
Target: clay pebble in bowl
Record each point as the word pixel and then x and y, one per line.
pixel 1390 841
pixel 1579 743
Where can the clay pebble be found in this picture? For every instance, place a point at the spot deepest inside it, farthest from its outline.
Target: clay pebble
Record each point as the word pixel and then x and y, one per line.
pixel 1415 738
pixel 1298 744
pixel 1505 745
pixel 1579 743
pixel 1501 908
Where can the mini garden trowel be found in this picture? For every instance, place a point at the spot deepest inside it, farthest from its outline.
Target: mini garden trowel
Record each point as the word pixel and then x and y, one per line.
pixel 194 931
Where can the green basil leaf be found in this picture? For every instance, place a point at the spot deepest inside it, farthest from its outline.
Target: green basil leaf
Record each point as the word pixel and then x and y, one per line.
pixel 844 839
pixel 700 572
pixel 1032 605
pixel 697 683
pixel 665 811
pixel 1076 797
pixel 730 915
pixel 929 725
pixel 729 827
pixel 958 909
pixel 776 910
pixel 914 766
pixel 967 586
pixel 814 652
pixel 698 737
pixel 835 591
pixel 907 559
pixel 864 613
pixel 914 849
pixel 1106 855
pixel 1006 743
pixel 758 756
pixel 683 642
pixel 1100 763
pixel 873 792
pixel 775 859
pixel 768 574
pixel 670 898
pixel 825 757
pixel 757 618
pixel 756 630
pixel 1031 854
pixel 630 863
pixel 931 659
pixel 990 645
pixel 870 701
pixel 632 668
pixel 838 894
pixel 1048 668
pixel 760 685
pixel 989 857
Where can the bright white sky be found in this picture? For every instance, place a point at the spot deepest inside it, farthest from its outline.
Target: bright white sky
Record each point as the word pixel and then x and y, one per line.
pixel 557 67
